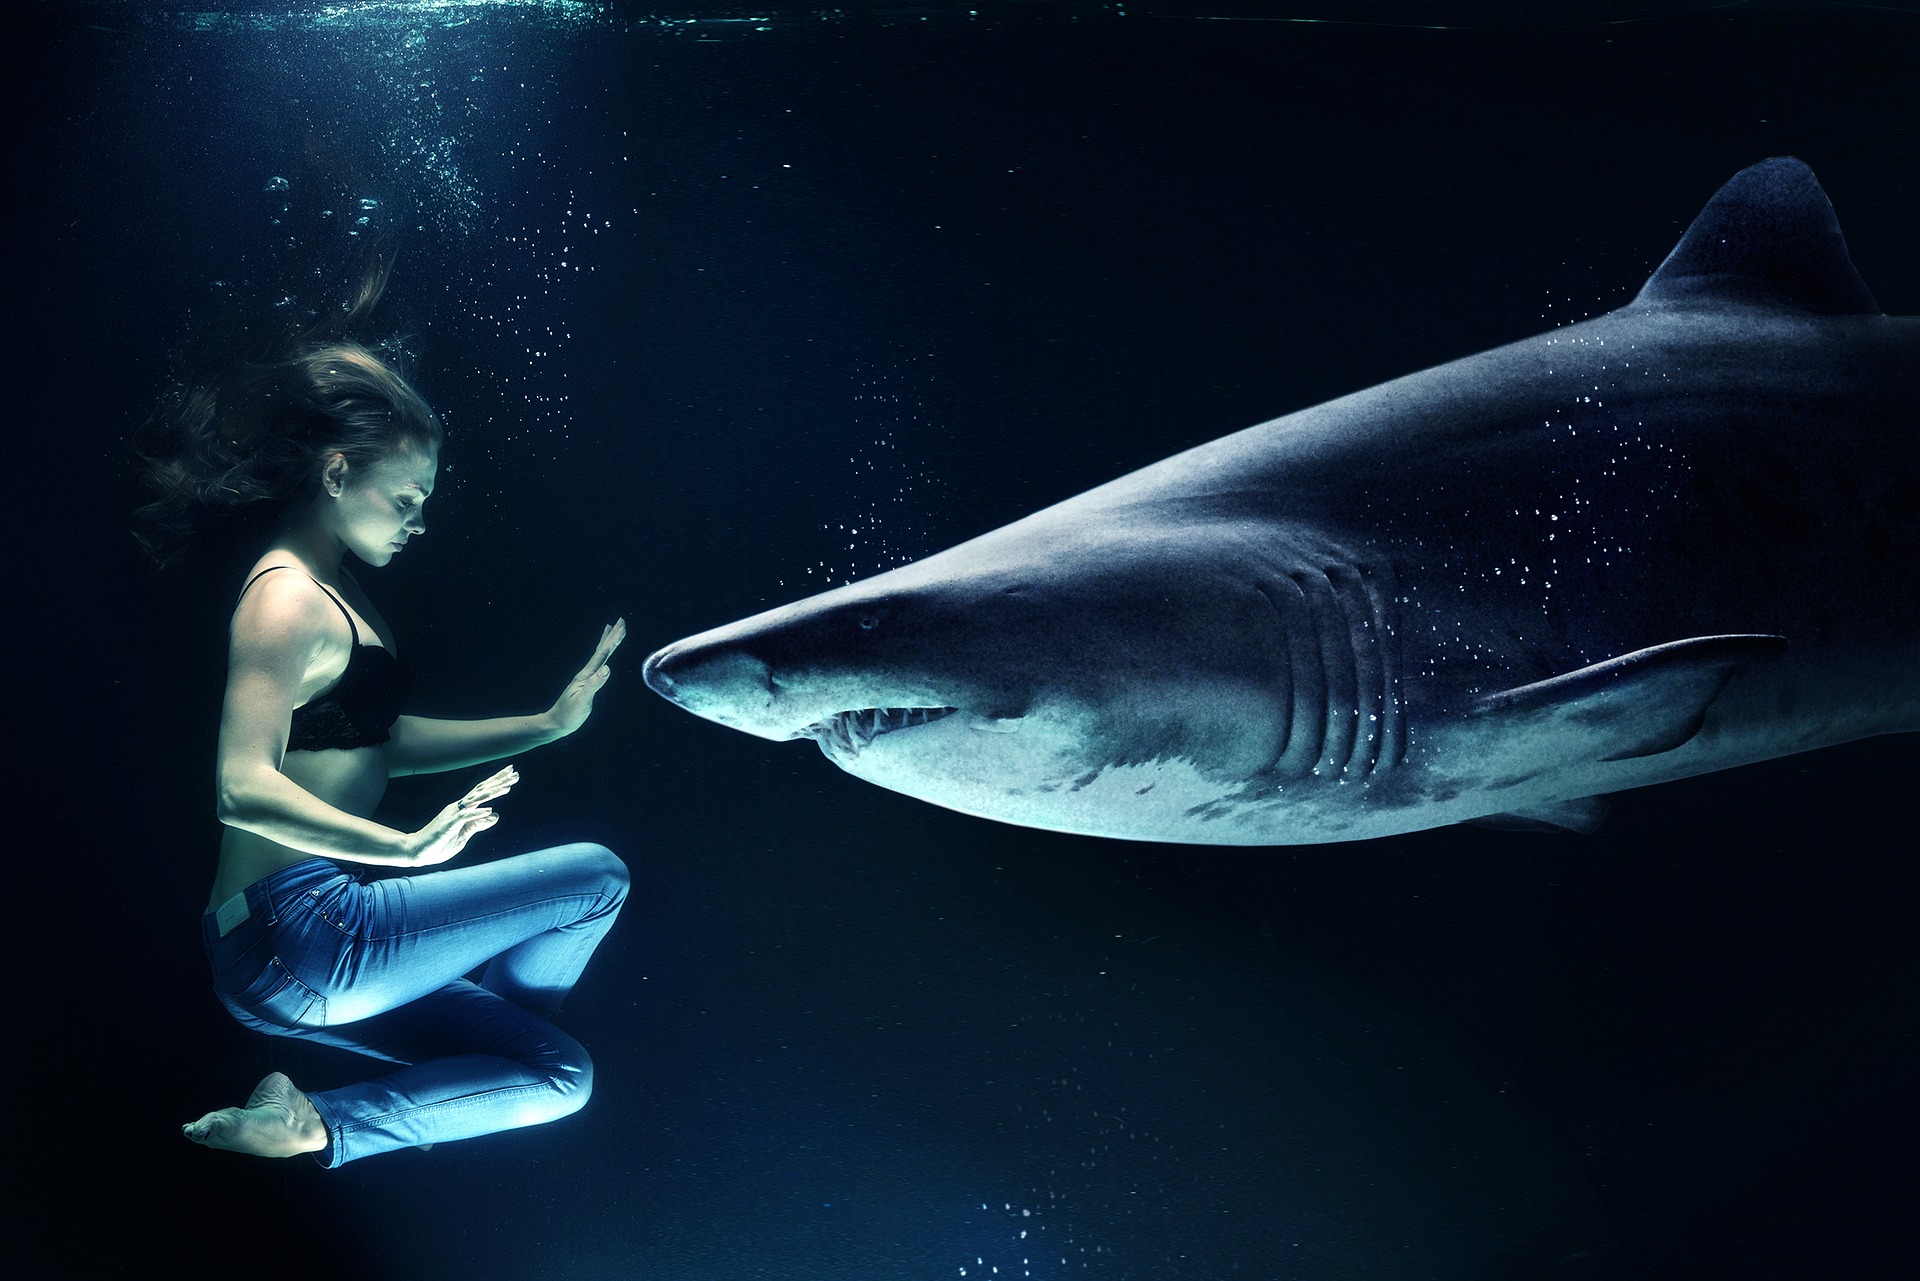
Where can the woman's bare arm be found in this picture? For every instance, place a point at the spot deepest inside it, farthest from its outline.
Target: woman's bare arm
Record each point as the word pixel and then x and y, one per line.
pixel 422 745
pixel 279 628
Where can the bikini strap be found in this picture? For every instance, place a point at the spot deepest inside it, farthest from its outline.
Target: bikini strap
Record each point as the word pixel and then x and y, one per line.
pixel 344 611
pixel 337 602
pixel 257 577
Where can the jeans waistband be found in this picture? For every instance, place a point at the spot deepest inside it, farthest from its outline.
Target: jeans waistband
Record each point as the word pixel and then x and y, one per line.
pixel 258 906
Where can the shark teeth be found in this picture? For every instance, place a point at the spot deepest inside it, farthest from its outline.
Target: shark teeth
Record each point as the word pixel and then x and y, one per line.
pixel 851 731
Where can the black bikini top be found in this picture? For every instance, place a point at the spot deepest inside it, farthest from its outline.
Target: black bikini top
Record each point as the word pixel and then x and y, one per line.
pixel 361 707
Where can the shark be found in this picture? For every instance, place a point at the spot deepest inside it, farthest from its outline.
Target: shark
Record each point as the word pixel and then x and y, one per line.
pixel 1678 537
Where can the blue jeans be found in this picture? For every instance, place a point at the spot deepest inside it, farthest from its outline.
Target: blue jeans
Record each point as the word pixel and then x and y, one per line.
pixel 377 967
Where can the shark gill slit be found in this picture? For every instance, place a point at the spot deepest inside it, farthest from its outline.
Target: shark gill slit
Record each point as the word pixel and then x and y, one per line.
pixel 1340 653
pixel 1280 661
pixel 1343 670
pixel 1307 720
pixel 1369 663
pixel 1387 743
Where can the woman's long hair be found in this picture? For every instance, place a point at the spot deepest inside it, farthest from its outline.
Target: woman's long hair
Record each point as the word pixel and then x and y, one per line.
pixel 239 436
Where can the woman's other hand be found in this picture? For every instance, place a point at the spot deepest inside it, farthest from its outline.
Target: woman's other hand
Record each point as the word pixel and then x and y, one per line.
pixel 461 821
pixel 570 711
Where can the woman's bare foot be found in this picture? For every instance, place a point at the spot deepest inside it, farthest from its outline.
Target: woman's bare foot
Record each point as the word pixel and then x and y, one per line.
pixel 277 1121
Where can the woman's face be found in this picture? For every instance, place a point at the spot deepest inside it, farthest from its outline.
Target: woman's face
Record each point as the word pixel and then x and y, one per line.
pixel 377 508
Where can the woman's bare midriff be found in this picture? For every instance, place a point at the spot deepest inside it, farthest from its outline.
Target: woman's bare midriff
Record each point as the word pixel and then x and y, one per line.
pixel 349 779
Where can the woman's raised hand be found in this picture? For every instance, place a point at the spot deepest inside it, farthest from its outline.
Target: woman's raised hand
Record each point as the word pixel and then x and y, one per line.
pixel 461 821
pixel 569 712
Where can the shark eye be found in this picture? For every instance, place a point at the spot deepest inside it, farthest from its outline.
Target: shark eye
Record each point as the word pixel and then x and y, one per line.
pixel 869 621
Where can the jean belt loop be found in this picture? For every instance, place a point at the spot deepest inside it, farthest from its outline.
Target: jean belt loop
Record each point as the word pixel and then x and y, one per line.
pixel 260 901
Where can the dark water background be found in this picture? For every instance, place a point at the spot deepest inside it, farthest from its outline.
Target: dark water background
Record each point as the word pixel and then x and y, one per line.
pixel 696 296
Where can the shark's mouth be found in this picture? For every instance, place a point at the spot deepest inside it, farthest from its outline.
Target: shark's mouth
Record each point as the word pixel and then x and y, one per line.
pixel 851 731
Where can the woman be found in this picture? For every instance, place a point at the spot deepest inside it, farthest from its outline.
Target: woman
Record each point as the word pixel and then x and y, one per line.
pixel 344 452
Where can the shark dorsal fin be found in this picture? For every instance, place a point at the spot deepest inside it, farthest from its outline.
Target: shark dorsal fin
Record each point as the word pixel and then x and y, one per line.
pixel 1766 239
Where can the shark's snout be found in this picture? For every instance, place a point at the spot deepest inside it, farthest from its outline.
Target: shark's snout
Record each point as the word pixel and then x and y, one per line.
pixel 721 682
pixel 780 677
pixel 652 672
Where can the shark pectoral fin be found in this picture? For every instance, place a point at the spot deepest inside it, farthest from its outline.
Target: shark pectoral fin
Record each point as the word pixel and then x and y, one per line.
pixel 1582 815
pixel 1638 704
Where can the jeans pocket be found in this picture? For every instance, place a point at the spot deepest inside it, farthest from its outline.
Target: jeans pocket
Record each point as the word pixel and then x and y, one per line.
pixel 275 995
pixel 337 903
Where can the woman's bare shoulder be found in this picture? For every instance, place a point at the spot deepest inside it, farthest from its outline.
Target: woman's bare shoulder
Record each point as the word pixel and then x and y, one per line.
pixel 282 604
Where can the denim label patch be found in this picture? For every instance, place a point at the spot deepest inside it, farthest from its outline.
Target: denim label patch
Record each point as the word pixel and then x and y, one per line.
pixel 231 913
